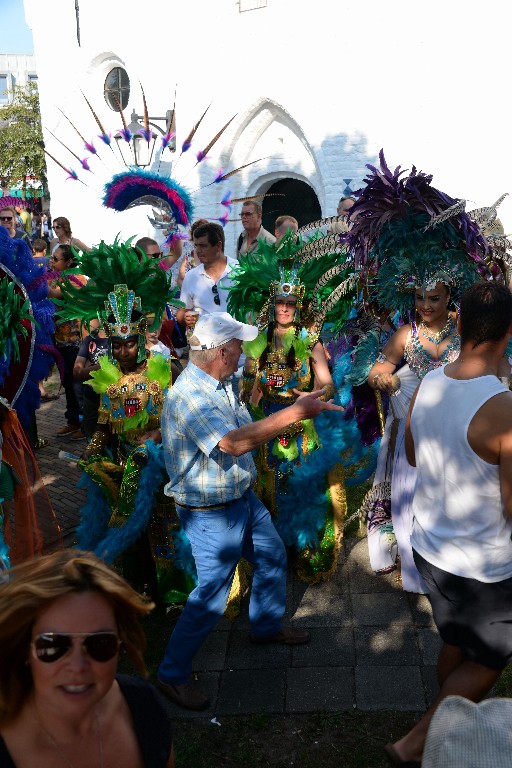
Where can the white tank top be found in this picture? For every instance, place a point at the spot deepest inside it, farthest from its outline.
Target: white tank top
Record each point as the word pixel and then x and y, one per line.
pixel 459 522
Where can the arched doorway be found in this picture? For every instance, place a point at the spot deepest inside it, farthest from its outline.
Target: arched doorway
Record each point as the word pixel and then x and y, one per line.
pixel 299 200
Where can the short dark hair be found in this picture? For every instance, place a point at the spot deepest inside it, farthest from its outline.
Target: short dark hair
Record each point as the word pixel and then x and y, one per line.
pixel 195 224
pixel 258 208
pixel 67 251
pixel 485 313
pixel 143 243
pixel 39 245
pixel 213 232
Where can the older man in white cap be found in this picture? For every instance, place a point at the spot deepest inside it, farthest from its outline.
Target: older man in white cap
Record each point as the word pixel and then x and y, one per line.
pixel 208 435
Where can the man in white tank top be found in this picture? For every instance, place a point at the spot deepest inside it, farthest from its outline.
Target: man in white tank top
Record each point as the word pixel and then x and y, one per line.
pixel 459 436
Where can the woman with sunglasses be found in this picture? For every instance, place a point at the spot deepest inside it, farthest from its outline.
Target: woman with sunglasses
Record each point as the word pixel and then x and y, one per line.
pixel 64 620
pixel 63 236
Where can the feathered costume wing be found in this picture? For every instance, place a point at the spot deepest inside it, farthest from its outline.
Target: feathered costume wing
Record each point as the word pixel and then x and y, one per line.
pixel 19 378
pixel 28 526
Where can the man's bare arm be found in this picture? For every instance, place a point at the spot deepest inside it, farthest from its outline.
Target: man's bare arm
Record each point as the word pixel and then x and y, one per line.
pixel 244 439
pixel 505 460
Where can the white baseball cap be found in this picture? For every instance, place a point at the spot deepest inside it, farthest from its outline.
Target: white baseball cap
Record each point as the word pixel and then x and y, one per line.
pixel 467 735
pixel 218 328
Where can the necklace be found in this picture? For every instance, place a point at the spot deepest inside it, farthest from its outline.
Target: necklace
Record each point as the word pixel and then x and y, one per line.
pixel 59 749
pixel 439 336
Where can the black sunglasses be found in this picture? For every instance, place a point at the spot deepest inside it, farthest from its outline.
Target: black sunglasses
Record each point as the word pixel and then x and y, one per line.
pixel 216 296
pixel 52 646
pixel 5 218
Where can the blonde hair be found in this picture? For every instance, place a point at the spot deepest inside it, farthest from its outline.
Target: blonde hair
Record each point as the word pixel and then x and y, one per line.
pixel 10 208
pixel 32 587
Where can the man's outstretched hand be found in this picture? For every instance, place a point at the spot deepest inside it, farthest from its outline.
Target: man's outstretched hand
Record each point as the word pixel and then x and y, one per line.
pixel 311 405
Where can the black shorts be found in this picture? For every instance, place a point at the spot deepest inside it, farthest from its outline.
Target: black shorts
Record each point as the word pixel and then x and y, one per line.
pixel 473 615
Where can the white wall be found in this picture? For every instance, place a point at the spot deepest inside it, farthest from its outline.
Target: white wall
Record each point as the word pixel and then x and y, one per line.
pixel 318 86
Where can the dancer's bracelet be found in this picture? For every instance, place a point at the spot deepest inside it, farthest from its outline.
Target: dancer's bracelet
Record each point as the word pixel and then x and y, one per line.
pixel 98 442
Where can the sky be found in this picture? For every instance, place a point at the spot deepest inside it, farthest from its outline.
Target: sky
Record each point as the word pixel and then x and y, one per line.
pixel 15 36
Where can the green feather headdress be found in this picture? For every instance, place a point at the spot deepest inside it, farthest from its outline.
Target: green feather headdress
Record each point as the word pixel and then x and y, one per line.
pixel 119 286
pixel 321 278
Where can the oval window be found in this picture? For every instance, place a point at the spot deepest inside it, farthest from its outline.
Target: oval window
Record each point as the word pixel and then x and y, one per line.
pixel 117 88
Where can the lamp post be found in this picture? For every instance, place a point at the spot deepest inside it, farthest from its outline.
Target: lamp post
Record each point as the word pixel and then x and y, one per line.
pixel 138 151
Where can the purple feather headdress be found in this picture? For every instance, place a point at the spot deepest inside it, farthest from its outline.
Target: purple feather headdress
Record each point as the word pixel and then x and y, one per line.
pixel 403 233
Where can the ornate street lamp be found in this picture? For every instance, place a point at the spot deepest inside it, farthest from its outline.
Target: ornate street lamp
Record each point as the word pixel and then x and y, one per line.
pixel 135 145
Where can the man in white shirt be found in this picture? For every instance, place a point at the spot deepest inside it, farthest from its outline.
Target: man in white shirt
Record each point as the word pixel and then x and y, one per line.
pixel 459 436
pixel 205 287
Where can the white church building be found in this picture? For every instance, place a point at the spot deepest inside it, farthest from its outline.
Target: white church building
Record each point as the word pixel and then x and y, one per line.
pixel 317 88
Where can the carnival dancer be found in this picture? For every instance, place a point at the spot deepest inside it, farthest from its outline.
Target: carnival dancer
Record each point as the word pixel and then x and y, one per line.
pixel 126 510
pixel 417 250
pixel 28 525
pixel 300 477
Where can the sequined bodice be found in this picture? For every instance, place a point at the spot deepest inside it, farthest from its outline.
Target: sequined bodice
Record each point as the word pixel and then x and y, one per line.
pixel 421 361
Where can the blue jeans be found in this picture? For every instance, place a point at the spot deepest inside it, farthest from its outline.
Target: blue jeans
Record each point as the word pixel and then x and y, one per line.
pixel 219 538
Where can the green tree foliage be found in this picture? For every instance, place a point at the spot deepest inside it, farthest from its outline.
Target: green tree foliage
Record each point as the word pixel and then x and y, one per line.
pixel 21 138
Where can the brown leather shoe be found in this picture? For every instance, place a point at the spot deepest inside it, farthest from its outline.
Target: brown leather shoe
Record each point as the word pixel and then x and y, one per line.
pixel 185 695
pixel 67 430
pixel 287 635
pixel 78 435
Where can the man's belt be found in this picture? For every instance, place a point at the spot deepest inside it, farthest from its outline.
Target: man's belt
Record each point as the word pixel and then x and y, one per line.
pixel 207 508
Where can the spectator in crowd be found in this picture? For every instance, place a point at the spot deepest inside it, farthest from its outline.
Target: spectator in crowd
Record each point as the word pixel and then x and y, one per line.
pixel 150 247
pixel 37 226
pixel 208 435
pixel 344 206
pixel 172 330
pixel 253 229
pixel 46 226
pixel 39 249
pixel 67 342
pixel 459 436
pixel 63 236
pixel 190 259
pixel 205 288
pixel 26 220
pixel 283 225
pixel 63 619
pixel 8 219
pixel 94 346
pixel 154 251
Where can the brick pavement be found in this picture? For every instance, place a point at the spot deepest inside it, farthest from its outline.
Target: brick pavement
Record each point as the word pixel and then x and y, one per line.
pixel 373 646
pixel 60 477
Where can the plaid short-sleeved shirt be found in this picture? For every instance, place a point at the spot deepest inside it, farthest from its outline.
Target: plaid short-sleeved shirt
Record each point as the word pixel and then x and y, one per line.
pixel 198 412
